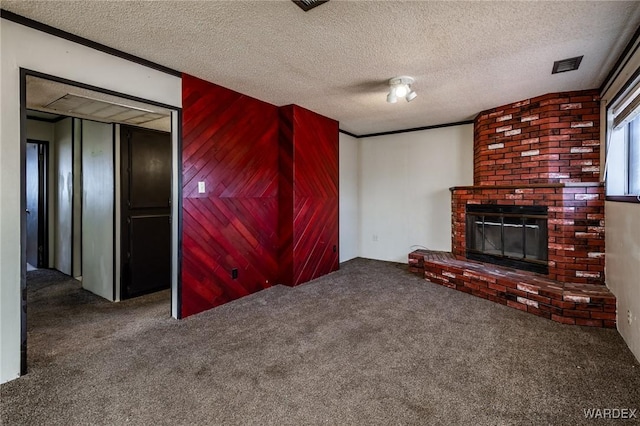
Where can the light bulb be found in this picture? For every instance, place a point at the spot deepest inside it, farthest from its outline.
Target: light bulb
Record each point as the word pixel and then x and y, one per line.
pixel 402 90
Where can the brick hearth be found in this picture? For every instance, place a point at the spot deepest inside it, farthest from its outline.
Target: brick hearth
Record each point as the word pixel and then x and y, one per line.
pixel 543 151
pixel 581 304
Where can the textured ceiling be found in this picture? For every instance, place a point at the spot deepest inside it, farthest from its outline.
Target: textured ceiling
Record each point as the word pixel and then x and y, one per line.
pixel 335 59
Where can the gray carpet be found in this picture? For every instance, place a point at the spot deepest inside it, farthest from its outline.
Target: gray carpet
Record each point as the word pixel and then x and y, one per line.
pixel 370 344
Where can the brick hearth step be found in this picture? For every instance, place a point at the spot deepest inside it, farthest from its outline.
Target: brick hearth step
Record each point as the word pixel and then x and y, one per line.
pixel 568 303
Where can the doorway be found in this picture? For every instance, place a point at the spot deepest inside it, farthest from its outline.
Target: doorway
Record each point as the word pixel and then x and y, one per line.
pixel 36 158
pixel 93 111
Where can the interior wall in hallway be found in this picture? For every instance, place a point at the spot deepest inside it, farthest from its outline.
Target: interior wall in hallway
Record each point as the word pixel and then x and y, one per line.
pixel 230 143
pixel 63 196
pixel 97 219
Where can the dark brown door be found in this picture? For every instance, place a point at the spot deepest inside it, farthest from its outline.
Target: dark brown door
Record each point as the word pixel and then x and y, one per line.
pixel 36 207
pixel 146 211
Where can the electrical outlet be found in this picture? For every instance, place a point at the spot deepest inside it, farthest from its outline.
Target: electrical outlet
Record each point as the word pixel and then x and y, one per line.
pixel 629 316
pixel 234 273
pixel 201 188
pixel 335 249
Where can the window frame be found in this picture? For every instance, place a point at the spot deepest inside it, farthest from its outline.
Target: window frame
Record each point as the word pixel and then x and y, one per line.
pixel 630 84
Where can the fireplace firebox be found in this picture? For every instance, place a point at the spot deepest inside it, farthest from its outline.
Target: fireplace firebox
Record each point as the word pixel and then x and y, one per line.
pixel 514 236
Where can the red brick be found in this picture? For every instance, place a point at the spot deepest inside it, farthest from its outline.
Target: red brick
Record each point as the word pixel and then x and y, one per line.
pixel 575 314
pixel 562 304
pixel 516 305
pixel 604 315
pixel 563 320
pixel 589 322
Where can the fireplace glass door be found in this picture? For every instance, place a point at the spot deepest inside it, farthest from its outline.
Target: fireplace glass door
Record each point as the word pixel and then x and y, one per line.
pixel 513 236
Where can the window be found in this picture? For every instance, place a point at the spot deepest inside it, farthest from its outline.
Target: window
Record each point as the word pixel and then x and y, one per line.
pixel 622 167
pixel 633 146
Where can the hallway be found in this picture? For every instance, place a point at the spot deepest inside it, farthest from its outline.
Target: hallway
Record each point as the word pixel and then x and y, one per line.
pixel 63 318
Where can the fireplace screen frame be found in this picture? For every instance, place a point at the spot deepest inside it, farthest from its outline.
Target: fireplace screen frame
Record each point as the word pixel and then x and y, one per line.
pixel 532 218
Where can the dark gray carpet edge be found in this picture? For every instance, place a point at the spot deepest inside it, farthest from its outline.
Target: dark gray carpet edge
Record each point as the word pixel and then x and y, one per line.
pixel 369 344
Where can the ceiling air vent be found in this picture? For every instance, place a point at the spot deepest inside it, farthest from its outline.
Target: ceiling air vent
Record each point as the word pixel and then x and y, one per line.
pixel 565 65
pixel 307 5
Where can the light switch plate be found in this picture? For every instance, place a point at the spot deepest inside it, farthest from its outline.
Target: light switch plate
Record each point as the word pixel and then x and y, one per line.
pixel 201 189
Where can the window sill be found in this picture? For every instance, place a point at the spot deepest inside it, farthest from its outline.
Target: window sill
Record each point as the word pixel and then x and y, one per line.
pixel 623 198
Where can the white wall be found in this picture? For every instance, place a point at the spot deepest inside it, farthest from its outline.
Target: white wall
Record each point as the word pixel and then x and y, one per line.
pixel 77 198
pixel 622 272
pixel 40 131
pixel 63 196
pixel 34 50
pixel 405 202
pixel 43 131
pixel 349 165
pixel 98 180
pixel 622 239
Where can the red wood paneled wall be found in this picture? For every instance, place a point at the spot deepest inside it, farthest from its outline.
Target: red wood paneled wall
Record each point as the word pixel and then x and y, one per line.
pixel 230 142
pixel 270 207
pixel 308 195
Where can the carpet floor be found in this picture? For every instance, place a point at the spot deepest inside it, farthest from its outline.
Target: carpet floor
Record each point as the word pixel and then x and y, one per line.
pixel 369 344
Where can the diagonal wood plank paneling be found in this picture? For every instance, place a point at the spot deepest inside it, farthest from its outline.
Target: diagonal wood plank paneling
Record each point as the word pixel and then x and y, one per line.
pixel 285 197
pixel 315 235
pixel 270 208
pixel 308 195
pixel 230 142
pixel 315 154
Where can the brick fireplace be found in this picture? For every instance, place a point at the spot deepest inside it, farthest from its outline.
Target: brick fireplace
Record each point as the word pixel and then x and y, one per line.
pixel 542 152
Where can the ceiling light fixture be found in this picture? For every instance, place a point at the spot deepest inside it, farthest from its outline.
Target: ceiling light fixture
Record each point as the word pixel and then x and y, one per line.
pixel 400 87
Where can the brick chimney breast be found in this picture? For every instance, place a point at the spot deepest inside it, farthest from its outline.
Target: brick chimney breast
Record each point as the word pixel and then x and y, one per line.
pixel 554 138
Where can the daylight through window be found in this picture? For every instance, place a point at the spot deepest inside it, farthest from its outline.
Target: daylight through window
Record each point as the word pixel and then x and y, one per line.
pixel 623 147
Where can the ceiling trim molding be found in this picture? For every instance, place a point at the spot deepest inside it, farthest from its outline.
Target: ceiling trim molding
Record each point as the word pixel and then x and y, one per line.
pixel 413 129
pixel 621 62
pixel 27 22
pixel 353 135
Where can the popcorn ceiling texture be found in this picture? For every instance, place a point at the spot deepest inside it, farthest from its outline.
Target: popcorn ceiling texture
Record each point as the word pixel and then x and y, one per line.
pixel 335 60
